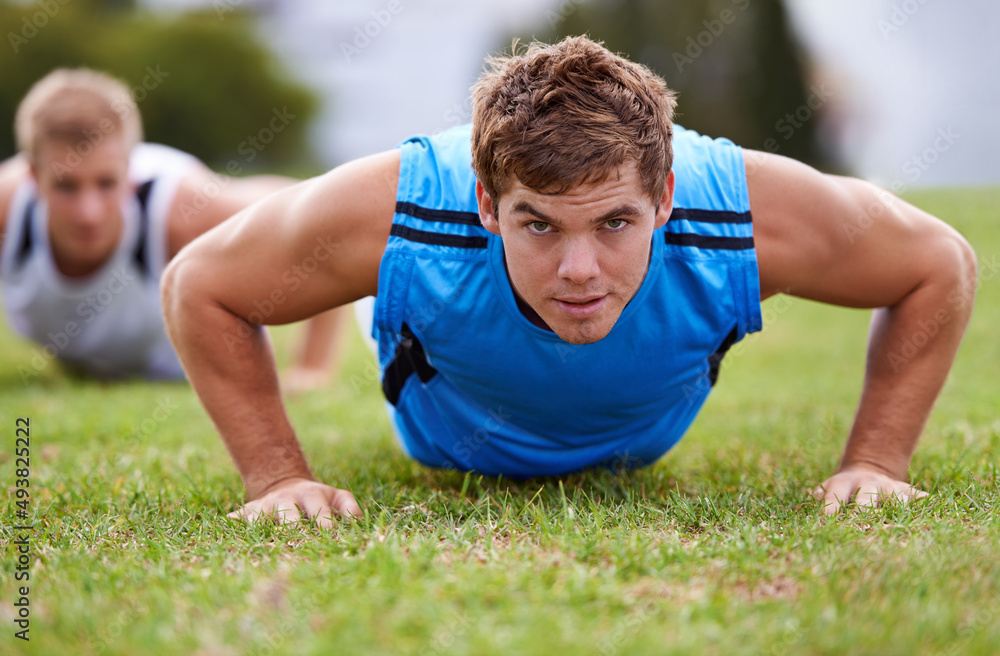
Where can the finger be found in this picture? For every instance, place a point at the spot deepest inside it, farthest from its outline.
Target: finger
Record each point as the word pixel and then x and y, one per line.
pixel 278 509
pixel 345 503
pixel 316 506
pixel 246 513
pixel 837 494
pixel 285 512
pixel 832 504
pixel 868 495
pixel 908 493
pixel 875 494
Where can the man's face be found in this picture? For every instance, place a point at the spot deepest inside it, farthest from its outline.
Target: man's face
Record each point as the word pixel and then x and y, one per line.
pixel 578 258
pixel 84 194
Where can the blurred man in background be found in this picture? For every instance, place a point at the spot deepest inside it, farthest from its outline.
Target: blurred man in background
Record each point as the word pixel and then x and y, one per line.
pixel 90 216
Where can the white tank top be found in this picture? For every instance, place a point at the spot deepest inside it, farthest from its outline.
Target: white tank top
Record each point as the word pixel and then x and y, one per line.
pixel 109 323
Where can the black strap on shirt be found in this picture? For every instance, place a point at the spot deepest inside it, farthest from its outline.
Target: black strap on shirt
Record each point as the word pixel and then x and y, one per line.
pixel 141 254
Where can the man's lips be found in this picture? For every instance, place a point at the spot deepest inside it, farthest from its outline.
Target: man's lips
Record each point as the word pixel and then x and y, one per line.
pixel 580 307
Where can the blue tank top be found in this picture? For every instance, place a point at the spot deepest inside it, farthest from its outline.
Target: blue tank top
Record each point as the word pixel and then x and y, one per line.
pixel 472 384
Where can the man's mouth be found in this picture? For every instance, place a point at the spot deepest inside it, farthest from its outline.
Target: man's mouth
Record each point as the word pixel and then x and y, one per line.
pixel 581 307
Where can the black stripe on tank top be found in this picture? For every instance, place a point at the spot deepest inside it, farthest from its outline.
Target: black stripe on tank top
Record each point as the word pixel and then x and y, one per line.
pixel 409 359
pixel 444 216
pixel 709 216
pixel 708 241
pixel 141 254
pixel 24 248
pixel 437 238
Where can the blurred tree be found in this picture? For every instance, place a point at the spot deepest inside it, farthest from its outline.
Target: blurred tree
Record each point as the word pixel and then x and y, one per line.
pixel 202 81
pixel 733 63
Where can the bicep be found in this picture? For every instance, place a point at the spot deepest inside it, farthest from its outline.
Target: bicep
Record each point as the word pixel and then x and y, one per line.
pixel 301 250
pixel 835 239
pixel 205 199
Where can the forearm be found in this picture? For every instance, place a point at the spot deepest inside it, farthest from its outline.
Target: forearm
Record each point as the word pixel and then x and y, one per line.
pixel 911 349
pixel 231 366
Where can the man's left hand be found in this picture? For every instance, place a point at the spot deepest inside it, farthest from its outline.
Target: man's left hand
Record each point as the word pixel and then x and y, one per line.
pixel 867 486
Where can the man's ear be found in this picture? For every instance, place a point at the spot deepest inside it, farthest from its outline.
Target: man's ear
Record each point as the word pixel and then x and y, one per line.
pixel 487 210
pixel 666 204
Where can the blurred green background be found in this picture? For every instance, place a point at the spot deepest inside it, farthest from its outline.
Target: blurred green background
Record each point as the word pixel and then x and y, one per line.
pixel 202 85
pixel 734 63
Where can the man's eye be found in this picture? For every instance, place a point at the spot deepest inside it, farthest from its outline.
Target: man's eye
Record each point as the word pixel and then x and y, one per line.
pixel 538 226
pixel 615 224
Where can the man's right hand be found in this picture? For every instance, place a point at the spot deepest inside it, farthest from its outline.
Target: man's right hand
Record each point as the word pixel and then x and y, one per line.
pixel 299 252
pixel 287 502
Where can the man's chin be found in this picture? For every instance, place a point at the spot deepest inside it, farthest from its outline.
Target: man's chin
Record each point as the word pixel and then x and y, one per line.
pixel 582 333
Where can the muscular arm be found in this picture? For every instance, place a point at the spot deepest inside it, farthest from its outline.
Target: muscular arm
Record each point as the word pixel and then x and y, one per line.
pixel 845 241
pixel 203 201
pixel 12 172
pixel 299 252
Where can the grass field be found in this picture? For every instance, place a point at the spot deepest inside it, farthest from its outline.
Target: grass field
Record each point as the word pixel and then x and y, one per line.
pixel 718 549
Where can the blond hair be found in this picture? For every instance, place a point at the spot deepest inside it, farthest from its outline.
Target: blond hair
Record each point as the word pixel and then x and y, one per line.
pixel 560 115
pixel 75 105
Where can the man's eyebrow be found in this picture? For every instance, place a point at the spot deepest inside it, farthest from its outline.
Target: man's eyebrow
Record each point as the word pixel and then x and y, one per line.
pixel 525 207
pixel 622 210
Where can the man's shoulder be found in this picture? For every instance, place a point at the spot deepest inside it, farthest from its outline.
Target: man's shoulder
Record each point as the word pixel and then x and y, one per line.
pixel 436 174
pixel 710 173
pixel 151 160
pixel 13 172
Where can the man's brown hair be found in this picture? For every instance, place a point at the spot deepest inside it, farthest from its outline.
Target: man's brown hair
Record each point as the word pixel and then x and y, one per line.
pixel 75 106
pixel 561 115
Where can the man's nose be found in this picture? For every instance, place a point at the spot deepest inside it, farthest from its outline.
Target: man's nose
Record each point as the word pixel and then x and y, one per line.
pixel 90 207
pixel 579 261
